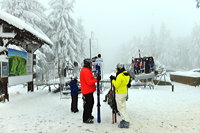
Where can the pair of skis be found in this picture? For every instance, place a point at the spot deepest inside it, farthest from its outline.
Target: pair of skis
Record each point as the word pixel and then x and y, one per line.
pixel 98 69
pixel 114 106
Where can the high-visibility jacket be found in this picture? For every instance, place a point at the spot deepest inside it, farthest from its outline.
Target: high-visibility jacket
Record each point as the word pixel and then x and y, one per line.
pixel 121 82
pixel 87 81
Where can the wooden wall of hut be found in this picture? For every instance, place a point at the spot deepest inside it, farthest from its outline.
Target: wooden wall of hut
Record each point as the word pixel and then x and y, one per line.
pixel 193 81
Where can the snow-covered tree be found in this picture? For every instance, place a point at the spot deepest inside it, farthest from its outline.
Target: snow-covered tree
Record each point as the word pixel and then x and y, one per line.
pixel 195 40
pixel 164 43
pixel 198 3
pixel 31 11
pixel 152 42
pixel 81 45
pixel 123 53
pixel 135 45
pixel 65 33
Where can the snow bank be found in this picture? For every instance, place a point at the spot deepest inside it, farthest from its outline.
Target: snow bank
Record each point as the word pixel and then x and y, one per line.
pixel 192 73
pixel 150 111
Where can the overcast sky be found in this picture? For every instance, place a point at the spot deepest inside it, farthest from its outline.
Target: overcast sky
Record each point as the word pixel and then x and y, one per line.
pixel 116 21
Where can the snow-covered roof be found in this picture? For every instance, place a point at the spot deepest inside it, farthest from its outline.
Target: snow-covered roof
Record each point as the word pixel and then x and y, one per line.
pixel 23 26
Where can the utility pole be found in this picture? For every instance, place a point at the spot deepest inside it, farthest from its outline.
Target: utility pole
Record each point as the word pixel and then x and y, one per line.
pixel 90 48
pixel 91 44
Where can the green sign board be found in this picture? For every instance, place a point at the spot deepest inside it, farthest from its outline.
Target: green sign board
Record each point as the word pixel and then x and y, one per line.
pixel 17 62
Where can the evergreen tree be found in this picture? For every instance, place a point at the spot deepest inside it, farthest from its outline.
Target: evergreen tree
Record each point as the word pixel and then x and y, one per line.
pixel 31 11
pixel 198 3
pixel 152 43
pixel 64 33
pixel 81 45
pixel 194 48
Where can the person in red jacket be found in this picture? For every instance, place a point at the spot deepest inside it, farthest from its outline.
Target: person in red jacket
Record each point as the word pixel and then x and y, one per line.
pixel 87 82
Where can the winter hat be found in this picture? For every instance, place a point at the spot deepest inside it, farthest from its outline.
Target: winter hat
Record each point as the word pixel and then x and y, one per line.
pixel 87 62
pixel 120 66
pixel 73 77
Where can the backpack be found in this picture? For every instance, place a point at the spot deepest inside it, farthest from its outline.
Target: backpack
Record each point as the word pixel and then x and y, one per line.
pixel 110 97
pixel 111 100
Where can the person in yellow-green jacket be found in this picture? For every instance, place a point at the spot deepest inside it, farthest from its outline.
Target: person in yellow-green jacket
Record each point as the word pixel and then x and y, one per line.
pixel 120 83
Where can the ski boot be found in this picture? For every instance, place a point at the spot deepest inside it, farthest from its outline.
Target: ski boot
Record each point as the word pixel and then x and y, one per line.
pixel 123 124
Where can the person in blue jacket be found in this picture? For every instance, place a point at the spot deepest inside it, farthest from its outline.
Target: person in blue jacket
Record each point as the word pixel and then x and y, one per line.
pixel 74 94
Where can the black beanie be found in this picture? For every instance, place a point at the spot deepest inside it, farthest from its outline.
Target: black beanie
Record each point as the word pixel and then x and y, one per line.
pixel 87 62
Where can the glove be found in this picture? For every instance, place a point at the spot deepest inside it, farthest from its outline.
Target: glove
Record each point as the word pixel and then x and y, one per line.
pixel 84 101
pixel 99 77
pixel 112 77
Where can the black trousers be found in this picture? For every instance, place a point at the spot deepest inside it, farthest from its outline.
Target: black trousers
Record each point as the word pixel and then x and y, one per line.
pixel 74 104
pixel 88 103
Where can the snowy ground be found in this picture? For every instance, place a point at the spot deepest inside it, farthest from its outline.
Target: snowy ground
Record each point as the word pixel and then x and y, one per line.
pixel 151 111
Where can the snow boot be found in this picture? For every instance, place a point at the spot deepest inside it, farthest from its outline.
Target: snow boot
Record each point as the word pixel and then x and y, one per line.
pixel 89 121
pixel 92 117
pixel 123 124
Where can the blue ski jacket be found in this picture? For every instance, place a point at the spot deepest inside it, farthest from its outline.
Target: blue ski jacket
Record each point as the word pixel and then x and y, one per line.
pixel 74 88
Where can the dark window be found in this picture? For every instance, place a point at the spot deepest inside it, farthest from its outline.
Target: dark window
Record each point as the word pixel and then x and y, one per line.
pixel 7 28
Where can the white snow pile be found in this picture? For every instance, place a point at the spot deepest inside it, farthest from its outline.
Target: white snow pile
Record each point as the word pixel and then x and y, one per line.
pixel 191 73
pixel 150 111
